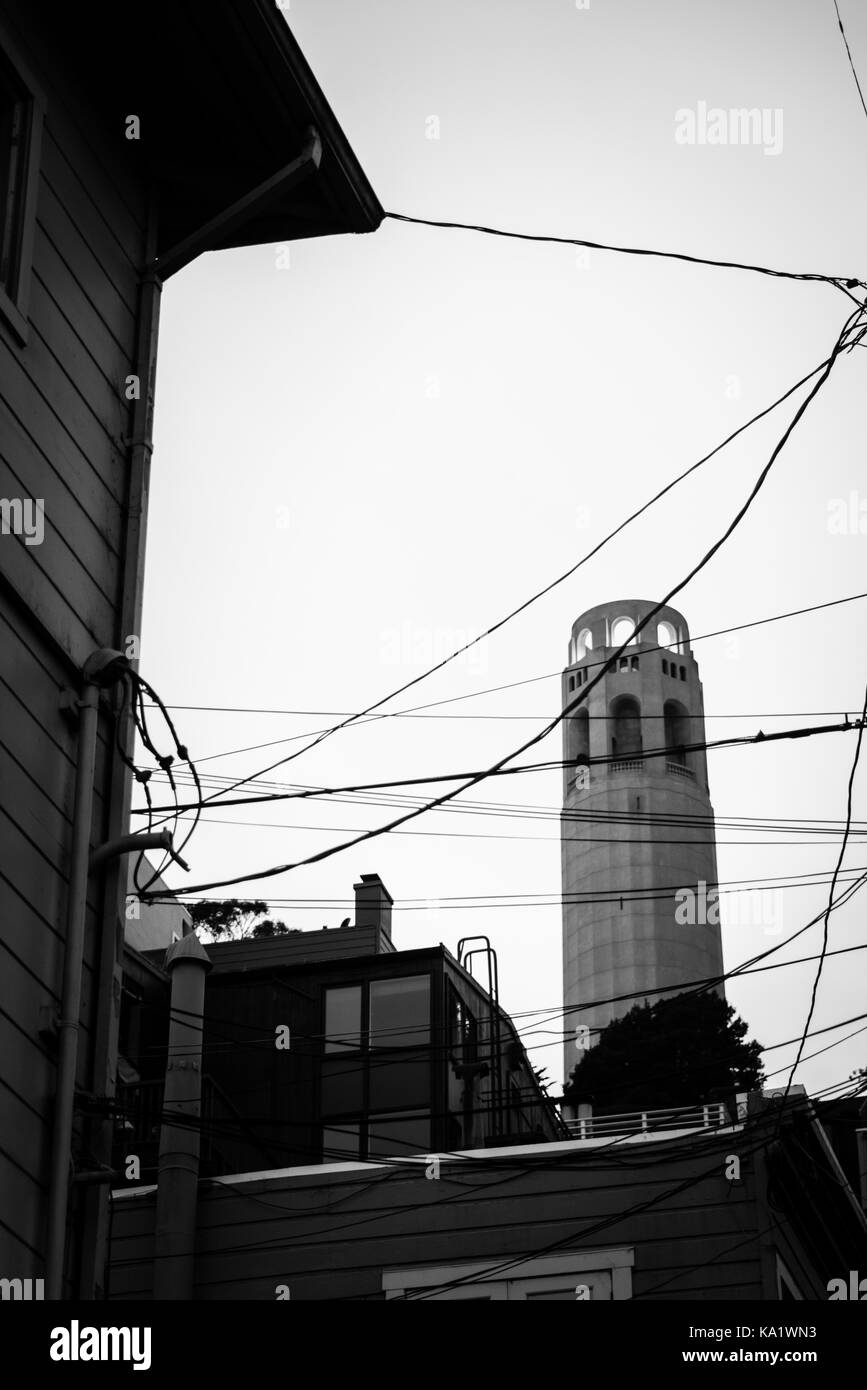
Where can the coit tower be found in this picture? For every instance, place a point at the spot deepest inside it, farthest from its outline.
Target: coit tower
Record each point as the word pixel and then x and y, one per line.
pixel 637 831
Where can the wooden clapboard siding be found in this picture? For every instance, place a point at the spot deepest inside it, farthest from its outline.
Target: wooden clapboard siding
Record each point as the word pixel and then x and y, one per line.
pixel 31 683
pixel 66 416
pixel 37 781
pixel 32 433
pixel 55 570
pixel 331 1235
pixel 83 263
pixel 34 729
pixel 63 422
pixel 50 273
pixel 20 1227
pixel 103 395
pixel 72 180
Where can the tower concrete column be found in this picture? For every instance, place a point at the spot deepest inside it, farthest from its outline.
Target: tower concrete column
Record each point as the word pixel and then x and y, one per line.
pixel 638 838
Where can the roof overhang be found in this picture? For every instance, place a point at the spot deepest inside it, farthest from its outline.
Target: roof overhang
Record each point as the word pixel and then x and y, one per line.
pixel 227 103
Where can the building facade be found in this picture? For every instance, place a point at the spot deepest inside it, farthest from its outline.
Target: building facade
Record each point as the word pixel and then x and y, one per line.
pixel 637 829
pixel 650 1217
pixel 327 1045
pixel 130 143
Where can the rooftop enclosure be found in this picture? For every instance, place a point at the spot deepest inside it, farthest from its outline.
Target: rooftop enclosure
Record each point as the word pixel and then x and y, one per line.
pixel 329 1044
pixel 637 824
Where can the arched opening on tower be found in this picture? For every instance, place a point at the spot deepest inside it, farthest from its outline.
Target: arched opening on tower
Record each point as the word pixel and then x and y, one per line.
pixel 579 737
pixel 676 721
pixel 626 728
pixel 621 631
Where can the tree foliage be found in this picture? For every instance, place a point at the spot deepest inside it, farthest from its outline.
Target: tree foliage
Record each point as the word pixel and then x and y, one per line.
pixel 667 1054
pixel 232 920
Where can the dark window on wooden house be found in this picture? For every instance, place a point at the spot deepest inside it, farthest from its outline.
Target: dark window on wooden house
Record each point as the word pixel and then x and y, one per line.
pixel 20 131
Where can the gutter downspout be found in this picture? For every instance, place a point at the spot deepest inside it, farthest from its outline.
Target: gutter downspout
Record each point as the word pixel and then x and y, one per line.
pixel 178 1179
pixel 100 670
pixel 67 1058
pixel 139 445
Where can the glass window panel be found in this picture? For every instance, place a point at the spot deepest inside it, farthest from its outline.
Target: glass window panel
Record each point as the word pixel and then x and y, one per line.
pixel 340 1142
pixel 401 1083
pixel 400 1012
pixel 395 1134
pixel 342 1084
pixel 342 1018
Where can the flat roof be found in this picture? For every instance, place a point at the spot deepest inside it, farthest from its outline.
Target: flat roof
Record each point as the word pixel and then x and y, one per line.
pixel 522 1151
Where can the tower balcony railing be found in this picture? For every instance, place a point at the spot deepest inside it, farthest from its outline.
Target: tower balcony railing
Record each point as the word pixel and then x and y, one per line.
pixel 637 765
pixel 626 765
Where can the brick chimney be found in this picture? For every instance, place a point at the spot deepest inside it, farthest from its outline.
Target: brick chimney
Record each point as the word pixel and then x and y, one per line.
pixel 373 904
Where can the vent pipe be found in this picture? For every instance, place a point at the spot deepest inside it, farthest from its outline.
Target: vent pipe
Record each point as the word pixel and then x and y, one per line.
pixel 178 1180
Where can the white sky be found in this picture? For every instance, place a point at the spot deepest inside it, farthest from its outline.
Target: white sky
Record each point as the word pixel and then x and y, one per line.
pixel 369 456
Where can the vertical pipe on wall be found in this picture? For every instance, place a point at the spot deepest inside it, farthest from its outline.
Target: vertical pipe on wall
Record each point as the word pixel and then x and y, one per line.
pixel 67 1058
pixel 139 444
pixel 178 1180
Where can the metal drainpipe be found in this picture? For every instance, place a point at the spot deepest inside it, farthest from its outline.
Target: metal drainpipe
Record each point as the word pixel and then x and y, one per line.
pixel 67 1057
pixel 139 444
pixel 104 665
pixel 178 1179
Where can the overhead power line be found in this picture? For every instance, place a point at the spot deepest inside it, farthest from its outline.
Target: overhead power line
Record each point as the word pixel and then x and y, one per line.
pixel 840 282
pixel 849 56
pixel 852 326
pixel 663 751
pixel 823 368
pixel 691 987
pixel 640 893
pixel 528 811
pixel 525 839
pixel 828 910
pixel 425 711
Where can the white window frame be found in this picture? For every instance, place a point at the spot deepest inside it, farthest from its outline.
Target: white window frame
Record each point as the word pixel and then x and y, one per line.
pixel 13 311
pixel 607 1273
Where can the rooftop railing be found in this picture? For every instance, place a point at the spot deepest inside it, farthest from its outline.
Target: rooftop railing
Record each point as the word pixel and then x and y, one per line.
pixel 650 1122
